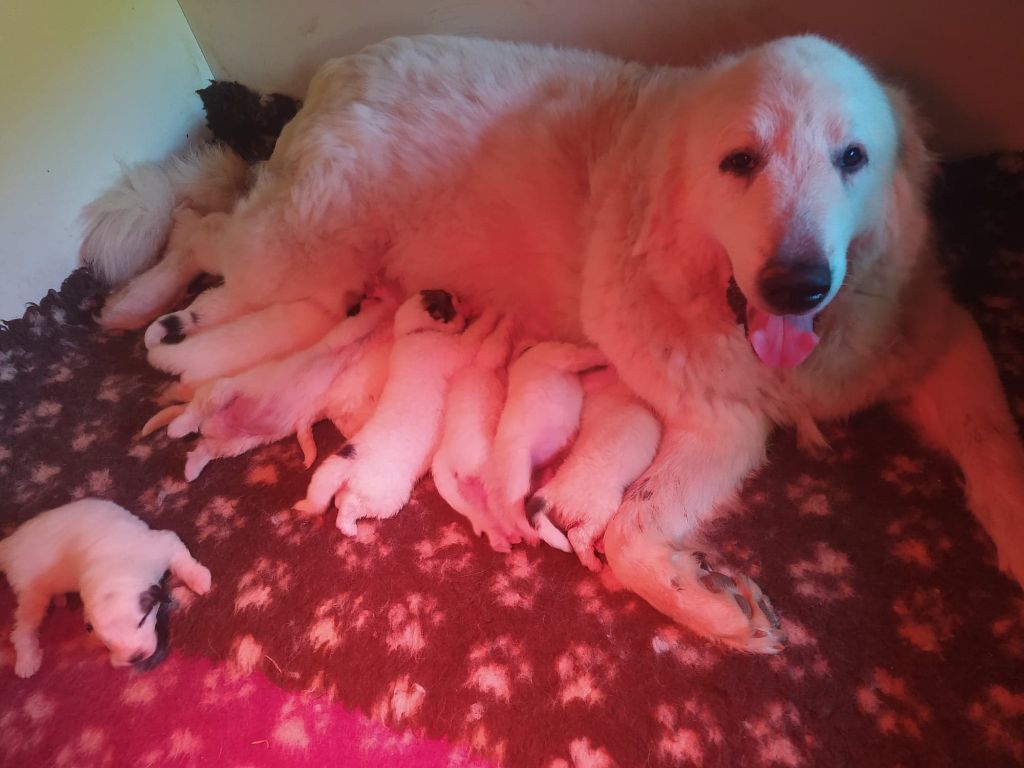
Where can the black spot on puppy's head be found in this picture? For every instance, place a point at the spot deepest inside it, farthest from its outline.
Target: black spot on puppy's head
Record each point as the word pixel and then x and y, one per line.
pixel 158 595
pixel 535 506
pixel 173 331
pixel 348 451
pixel 439 305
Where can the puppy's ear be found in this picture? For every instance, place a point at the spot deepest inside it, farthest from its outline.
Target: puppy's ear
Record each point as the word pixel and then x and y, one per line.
pixel 157 594
pixel 439 305
pixel 915 161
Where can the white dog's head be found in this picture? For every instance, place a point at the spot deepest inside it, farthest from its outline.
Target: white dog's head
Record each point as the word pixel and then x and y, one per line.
pixel 430 310
pixel 791 156
pixel 130 621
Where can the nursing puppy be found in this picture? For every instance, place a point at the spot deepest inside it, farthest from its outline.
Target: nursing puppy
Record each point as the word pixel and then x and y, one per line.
pixel 373 475
pixel 617 441
pixel 339 377
pixel 113 560
pixel 461 463
pixel 601 201
pixel 539 419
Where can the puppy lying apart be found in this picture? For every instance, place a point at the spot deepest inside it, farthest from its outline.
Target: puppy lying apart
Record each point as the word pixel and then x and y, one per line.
pixel 339 377
pixel 463 458
pixel 374 473
pixel 114 561
pixel 540 418
pixel 617 441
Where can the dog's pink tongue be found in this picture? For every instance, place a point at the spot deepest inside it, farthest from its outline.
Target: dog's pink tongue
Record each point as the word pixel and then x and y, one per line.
pixel 781 341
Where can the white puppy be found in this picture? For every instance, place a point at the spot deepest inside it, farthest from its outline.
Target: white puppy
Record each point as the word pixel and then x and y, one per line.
pixel 112 559
pixel 374 473
pixel 339 377
pixel 471 416
pixel 617 441
pixel 540 418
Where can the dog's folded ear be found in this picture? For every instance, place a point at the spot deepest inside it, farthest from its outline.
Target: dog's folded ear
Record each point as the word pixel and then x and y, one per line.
pixel 914 158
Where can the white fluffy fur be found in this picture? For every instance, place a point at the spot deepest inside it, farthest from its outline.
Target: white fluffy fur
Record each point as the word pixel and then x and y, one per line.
pixel 339 377
pixel 538 421
pixel 374 474
pixel 107 555
pixel 617 441
pixel 583 195
pixel 463 459
pixel 128 225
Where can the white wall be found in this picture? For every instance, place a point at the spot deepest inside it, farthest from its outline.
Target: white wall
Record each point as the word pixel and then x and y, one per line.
pixel 963 60
pixel 83 83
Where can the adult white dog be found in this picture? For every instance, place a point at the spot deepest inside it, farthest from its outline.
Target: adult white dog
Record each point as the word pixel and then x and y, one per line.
pixel 605 202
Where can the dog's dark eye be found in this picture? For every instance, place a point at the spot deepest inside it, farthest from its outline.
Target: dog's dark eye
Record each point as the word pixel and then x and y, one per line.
pixel 742 163
pixel 853 158
pixel 88 627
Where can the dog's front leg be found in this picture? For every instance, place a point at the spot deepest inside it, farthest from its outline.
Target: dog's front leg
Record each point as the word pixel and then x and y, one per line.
pixel 181 564
pixel 32 605
pixel 653 541
pixel 959 405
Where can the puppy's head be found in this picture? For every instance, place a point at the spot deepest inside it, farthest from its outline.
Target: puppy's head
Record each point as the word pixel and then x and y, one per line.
pixel 791 157
pixel 132 623
pixel 430 310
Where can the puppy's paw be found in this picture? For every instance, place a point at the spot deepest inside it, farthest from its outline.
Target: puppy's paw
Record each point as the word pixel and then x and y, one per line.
pixel 28 660
pixel 121 312
pixel 196 462
pixel 324 484
pixel 582 512
pixel 584 541
pixel 199 580
pixel 162 419
pixel 353 506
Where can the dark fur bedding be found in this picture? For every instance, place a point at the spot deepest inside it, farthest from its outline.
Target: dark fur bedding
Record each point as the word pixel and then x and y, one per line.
pixel 414 644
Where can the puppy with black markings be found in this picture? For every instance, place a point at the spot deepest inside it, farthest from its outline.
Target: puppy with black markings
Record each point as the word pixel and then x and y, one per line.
pixel 338 377
pixel 617 441
pixel 114 561
pixel 374 473
pixel 539 420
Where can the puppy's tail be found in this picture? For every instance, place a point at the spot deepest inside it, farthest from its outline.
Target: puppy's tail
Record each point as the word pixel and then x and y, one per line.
pixel 127 226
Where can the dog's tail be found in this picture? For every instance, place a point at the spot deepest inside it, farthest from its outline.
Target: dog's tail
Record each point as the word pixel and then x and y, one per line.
pixel 127 226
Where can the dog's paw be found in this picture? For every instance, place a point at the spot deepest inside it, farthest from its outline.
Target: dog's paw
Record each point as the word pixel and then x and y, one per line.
pixel 323 486
pixel 682 584
pixel 584 541
pixel 121 312
pixel 731 608
pixel 196 462
pixel 28 660
pixel 353 506
pixel 579 522
pixel 162 419
pixel 200 580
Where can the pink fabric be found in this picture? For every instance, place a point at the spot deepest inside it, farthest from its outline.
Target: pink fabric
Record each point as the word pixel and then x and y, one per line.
pixel 78 711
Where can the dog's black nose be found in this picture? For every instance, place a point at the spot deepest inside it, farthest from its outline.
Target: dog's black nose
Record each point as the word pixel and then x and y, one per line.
pixel 793 288
pixel 140 656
